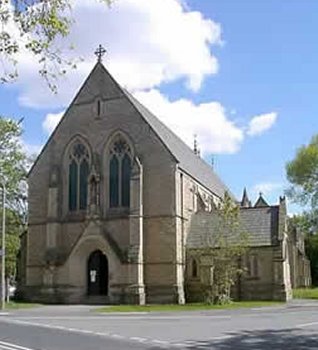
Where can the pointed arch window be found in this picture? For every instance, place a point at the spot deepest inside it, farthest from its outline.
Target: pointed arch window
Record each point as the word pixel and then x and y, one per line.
pixel 252 266
pixel 119 173
pixel 114 184
pixel 194 268
pixel 77 177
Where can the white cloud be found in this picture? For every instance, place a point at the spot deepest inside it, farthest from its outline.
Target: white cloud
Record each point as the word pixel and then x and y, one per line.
pixel 268 188
pixel 50 121
pixel 261 123
pixel 215 132
pixel 30 149
pixel 148 43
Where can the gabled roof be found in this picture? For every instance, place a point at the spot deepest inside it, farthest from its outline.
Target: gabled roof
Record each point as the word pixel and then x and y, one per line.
pixel 97 65
pixel 259 224
pixel 261 202
pixel 188 161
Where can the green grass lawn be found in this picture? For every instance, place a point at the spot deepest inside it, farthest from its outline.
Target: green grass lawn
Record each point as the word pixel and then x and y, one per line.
pixel 305 293
pixel 187 307
pixel 14 305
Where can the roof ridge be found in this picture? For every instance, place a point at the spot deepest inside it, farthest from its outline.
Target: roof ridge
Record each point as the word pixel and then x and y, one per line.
pixel 260 208
pixel 138 105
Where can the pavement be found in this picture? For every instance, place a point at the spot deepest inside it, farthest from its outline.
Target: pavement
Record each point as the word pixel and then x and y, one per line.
pixel 293 326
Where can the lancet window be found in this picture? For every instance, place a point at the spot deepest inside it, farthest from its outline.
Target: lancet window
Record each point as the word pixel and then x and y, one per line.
pixel 77 177
pixel 119 173
pixel 194 268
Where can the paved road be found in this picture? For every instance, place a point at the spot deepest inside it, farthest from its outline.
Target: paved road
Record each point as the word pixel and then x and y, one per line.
pixel 294 327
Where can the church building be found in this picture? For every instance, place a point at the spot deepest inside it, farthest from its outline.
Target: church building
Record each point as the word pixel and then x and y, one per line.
pixel 117 204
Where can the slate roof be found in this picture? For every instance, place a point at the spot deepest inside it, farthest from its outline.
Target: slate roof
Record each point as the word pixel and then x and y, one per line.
pixel 261 202
pixel 188 161
pixel 260 225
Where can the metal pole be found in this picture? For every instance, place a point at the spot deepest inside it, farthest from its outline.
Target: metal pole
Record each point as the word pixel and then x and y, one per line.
pixel 3 260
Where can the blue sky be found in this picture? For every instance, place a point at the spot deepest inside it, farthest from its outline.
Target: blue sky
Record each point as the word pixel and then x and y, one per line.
pixel 228 62
pixel 269 62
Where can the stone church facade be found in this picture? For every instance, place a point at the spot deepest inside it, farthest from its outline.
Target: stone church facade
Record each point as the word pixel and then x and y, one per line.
pixel 112 199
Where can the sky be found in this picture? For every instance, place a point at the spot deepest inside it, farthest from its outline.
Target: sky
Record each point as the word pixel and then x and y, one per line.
pixel 241 75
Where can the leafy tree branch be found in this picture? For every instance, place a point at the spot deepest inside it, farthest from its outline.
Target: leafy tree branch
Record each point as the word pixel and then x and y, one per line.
pixel 302 173
pixel 36 27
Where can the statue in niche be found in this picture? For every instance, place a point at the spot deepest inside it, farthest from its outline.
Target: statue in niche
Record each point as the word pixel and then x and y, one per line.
pixel 94 190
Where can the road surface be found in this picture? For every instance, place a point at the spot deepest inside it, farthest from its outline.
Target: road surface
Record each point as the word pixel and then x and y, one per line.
pixel 292 327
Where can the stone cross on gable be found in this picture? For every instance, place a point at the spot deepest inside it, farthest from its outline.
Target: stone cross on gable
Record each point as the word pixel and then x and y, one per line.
pixel 100 52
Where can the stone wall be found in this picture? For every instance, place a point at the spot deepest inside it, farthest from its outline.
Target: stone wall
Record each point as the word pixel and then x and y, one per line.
pixel 263 277
pixel 191 196
pixel 52 226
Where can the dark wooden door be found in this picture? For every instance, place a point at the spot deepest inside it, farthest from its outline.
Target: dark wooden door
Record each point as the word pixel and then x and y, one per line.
pixel 97 274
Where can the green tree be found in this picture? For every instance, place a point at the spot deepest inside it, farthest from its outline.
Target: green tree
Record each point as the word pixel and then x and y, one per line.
pixel 311 247
pixel 12 157
pixel 224 248
pixel 12 243
pixel 302 173
pixel 307 224
pixel 13 162
pixel 37 27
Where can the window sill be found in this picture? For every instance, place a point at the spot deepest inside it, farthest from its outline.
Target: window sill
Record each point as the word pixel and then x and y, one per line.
pixel 78 215
pixel 118 212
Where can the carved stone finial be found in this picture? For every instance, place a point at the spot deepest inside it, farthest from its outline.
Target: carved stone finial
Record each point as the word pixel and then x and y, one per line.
pixel 245 202
pixel 195 144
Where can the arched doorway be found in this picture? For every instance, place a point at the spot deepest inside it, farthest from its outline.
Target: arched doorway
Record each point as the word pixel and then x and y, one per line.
pixel 97 274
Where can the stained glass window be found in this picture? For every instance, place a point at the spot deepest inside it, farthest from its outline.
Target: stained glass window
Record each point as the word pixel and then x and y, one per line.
pixel 73 185
pixel 119 173
pixel 114 183
pixel 125 181
pixel 78 175
pixel 84 172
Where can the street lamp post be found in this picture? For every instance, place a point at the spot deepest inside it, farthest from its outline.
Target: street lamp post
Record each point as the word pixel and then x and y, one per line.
pixel 3 260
